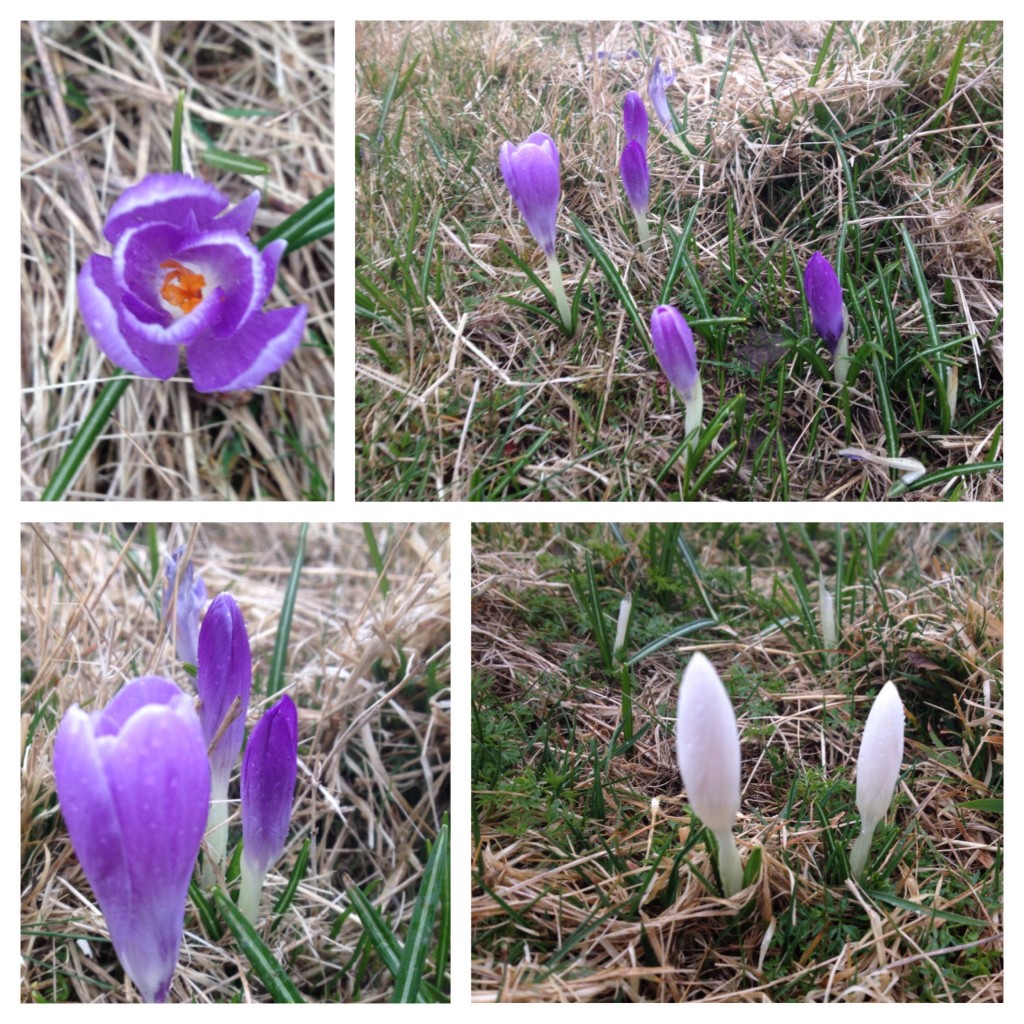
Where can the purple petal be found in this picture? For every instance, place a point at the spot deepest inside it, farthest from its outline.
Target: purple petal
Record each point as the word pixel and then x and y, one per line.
pixel 239 219
pixel 636 179
pixel 98 299
pixel 268 784
pixel 224 673
pixel 264 344
pixel 132 697
pixel 169 198
pixel 149 333
pixel 656 86
pixel 137 258
pixel 531 172
pixel 271 260
pixel 191 596
pixel 634 115
pixel 673 345
pixel 159 777
pixel 825 299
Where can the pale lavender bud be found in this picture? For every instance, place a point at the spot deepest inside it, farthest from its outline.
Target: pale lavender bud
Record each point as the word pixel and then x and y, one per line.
pixel 188 604
pixel 656 86
pixel 636 179
pixel 634 115
pixel 134 787
pixel 825 299
pixel 531 172
pixel 673 345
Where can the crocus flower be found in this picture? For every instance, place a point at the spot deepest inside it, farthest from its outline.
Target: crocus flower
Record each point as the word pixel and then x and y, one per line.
pixel 673 345
pixel 134 783
pixel 910 469
pixel 828 313
pixel 656 86
pixel 636 180
pixel 827 613
pixel 708 748
pixel 224 674
pixel 878 768
pixel 189 597
pixel 184 273
pixel 268 786
pixel 634 116
pixel 532 174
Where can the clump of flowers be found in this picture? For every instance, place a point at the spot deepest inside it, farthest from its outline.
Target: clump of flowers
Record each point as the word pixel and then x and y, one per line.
pixel 184 274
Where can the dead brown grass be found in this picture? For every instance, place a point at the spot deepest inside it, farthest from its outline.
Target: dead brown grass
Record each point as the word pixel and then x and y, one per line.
pixel 166 441
pixel 374 745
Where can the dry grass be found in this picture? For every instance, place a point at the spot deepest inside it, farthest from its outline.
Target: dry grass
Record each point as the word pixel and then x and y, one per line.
pixel 370 676
pixel 97 107
pixel 464 394
pixel 587 871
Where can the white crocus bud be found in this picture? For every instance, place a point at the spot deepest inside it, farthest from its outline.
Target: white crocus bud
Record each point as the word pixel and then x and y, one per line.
pixel 878 769
pixel 827 610
pixel 620 630
pixel 708 748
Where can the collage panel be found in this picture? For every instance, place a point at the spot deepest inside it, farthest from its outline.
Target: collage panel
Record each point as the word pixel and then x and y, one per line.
pixel 737 762
pixel 679 261
pixel 236 763
pixel 177 260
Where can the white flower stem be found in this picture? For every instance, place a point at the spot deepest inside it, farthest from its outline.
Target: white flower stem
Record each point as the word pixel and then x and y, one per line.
pixel 641 226
pixel 249 891
pixel 729 867
pixel 216 829
pixel 694 413
pixel 558 287
pixel 861 849
pixel 841 359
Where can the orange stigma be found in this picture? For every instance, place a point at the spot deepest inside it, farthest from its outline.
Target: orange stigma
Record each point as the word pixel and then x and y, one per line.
pixel 182 287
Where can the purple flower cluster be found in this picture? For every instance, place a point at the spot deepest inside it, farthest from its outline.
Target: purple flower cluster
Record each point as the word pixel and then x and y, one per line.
pixel 183 273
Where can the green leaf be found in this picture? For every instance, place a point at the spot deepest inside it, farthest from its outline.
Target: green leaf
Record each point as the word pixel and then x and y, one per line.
pixel 235 162
pixel 179 111
pixel 275 680
pixel 313 221
pixel 298 872
pixel 993 806
pixel 268 970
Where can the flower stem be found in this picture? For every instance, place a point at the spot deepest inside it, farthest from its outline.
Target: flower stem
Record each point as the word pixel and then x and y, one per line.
pixel 216 829
pixel 841 358
pixel 861 849
pixel 557 286
pixel 694 413
pixel 641 226
pixel 249 890
pixel 729 866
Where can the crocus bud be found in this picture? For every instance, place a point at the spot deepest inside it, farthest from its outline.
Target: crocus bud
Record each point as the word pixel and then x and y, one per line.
pixel 909 469
pixel 827 612
pixel 673 345
pixel 656 86
pixel 191 596
pixel 828 313
pixel 134 784
pixel 878 768
pixel 634 116
pixel 708 748
pixel 268 786
pixel 636 179
pixel 531 172
pixel 224 675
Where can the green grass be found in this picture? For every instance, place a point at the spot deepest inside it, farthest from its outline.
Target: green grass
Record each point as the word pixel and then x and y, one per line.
pixel 585 888
pixel 880 146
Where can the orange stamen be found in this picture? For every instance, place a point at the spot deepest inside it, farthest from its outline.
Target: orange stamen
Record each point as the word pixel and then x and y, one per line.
pixel 182 287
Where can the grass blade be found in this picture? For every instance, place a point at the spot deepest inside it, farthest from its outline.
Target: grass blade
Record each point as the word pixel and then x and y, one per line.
pixel 275 679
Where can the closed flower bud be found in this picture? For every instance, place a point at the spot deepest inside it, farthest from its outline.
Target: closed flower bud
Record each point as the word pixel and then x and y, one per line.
pixel 531 173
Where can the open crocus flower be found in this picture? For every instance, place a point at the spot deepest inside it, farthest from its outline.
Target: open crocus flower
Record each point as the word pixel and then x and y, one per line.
pixel 828 311
pixel 134 784
pixel 189 598
pixel 636 180
pixel 184 273
pixel 878 769
pixel 708 748
pixel 224 674
pixel 656 86
pixel 268 787
pixel 673 345
pixel 532 174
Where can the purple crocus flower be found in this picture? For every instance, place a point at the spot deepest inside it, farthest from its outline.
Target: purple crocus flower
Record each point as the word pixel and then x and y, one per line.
pixel 634 115
pixel 134 784
pixel 656 86
pixel 825 299
pixel 188 603
pixel 183 272
pixel 673 345
pixel 224 673
pixel 268 787
pixel 531 172
pixel 636 179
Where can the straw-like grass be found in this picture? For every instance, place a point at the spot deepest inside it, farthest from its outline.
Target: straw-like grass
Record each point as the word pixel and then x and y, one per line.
pixel 97 108
pixel 367 666
pixel 879 144
pixel 592 880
